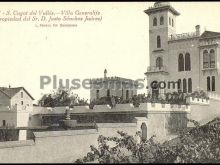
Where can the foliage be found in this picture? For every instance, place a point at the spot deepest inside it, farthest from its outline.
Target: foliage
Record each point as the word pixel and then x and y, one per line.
pixel 199 94
pixel 168 98
pixel 8 133
pixel 62 97
pixel 199 145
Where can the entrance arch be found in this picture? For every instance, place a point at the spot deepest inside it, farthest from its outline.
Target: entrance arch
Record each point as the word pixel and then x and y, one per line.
pixel 143 131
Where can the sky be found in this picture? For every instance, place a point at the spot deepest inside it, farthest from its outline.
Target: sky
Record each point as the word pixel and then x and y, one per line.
pixel 118 43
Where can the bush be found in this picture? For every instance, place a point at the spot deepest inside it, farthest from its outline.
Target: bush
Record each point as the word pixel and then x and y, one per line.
pixel 8 133
pixel 199 145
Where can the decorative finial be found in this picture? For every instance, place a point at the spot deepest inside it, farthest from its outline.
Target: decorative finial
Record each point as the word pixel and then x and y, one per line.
pixel 105 73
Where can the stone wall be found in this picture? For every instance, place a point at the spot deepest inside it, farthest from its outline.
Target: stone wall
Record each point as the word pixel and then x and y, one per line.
pixel 205 113
pixel 58 146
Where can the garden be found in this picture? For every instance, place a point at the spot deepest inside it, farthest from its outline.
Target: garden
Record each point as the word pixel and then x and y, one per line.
pixel 63 97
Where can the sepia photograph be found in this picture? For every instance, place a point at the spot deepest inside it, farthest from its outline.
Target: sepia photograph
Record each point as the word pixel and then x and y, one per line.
pixel 110 82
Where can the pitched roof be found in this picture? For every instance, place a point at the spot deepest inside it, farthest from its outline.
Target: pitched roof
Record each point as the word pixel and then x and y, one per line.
pixel 206 34
pixel 10 92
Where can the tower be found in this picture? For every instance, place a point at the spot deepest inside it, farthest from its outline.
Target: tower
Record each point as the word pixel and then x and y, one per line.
pixel 162 25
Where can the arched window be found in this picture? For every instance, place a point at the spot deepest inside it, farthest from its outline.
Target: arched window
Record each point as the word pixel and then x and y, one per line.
pixel 127 94
pixel 155 21
pixel 179 85
pixel 143 132
pixel 212 58
pixel 159 62
pixel 208 84
pixel 155 89
pixel 3 123
pixel 108 92
pixel 158 42
pixel 172 23
pixel 213 83
pixel 97 94
pixel 161 20
pixel 122 93
pixel 181 62
pixel 184 86
pixel 189 85
pixel 187 62
pixel 169 21
pixel 205 59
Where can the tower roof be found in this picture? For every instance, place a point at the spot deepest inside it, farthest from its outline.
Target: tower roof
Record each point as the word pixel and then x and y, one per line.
pixel 160 6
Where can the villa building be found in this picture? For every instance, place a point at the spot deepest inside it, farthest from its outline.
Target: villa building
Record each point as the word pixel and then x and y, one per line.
pixel 112 86
pixel 191 59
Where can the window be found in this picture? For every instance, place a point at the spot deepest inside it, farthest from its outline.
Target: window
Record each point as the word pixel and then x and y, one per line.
pixel 122 93
pixel 189 85
pixel 22 102
pixel 97 94
pixel 108 92
pixel 213 83
pixel 187 62
pixel 184 86
pixel 205 59
pixel 172 23
pixel 179 85
pixel 21 94
pixel 161 20
pixel 169 21
pixel 208 84
pixel 155 21
pixel 181 63
pixel 212 58
pixel 155 89
pixel 159 62
pixel 3 122
pixel 127 94
pixel 158 42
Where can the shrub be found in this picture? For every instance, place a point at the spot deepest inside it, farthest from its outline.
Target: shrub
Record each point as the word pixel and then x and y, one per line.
pixel 199 145
pixel 8 133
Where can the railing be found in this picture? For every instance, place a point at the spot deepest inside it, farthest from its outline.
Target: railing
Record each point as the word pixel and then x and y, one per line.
pixel 156 5
pixel 213 95
pixel 182 36
pixel 209 42
pixel 156 69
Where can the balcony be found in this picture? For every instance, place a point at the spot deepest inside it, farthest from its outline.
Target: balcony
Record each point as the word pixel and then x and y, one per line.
pixel 209 42
pixel 154 69
pixel 174 37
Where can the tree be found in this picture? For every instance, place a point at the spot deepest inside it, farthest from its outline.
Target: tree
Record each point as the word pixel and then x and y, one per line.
pixel 62 97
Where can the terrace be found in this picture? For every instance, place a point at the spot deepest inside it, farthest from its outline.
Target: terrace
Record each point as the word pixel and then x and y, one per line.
pixel 154 69
pixel 174 37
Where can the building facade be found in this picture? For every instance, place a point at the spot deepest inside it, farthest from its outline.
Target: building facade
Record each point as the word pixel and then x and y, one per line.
pixel 112 86
pixel 190 61
pixel 16 98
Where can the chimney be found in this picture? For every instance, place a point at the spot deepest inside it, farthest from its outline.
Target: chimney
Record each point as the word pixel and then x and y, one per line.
pixel 105 73
pixel 198 30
